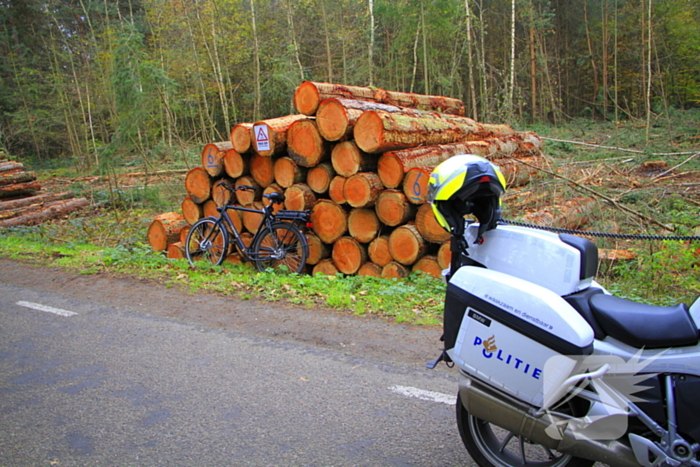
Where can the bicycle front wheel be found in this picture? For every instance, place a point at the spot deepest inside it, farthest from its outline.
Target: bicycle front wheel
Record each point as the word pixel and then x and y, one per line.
pixel 283 248
pixel 206 241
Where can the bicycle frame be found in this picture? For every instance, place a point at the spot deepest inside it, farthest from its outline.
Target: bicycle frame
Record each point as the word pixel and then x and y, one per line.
pixel 266 222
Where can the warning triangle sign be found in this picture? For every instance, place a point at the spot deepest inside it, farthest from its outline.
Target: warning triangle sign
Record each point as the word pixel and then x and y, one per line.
pixel 262 138
pixel 262 135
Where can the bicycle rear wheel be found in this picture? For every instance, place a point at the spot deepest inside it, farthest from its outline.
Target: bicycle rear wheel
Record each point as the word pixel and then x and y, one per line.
pixel 283 248
pixel 206 241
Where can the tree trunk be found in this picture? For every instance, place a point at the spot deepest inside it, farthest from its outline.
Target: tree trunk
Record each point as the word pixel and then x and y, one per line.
pixel 269 137
pixel 247 197
pixel 317 249
pixel 262 169
pixel 406 244
pixel 198 185
pixel 309 95
pixel 429 265
pixel 326 267
pixel 213 157
pixel 191 211
pixel 299 197
pixel 395 270
pixel 378 251
pixel 428 226
pixel 305 145
pixel 336 117
pixel 362 189
pixel 393 208
pixel 319 178
pixel 236 164
pixel 381 131
pixel 329 219
pixel 10 178
pixel 288 172
pixel 347 159
pixel 165 229
pixel 10 165
pixel 370 269
pixel 363 225
pixel 336 190
pixel 36 199
pixel 241 138
pixel 415 184
pixel 348 255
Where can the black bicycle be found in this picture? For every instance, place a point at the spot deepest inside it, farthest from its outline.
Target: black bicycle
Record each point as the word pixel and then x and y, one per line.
pixel 278 242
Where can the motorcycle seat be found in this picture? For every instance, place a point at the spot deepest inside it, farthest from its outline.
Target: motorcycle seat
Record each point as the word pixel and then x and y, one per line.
pixel 644 326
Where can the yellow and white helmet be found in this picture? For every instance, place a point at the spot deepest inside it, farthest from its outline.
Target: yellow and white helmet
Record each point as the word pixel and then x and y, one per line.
pixel 466 184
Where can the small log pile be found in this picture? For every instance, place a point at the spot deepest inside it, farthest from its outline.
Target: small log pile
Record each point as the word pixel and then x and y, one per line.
pixel 359 159
pixel 24 202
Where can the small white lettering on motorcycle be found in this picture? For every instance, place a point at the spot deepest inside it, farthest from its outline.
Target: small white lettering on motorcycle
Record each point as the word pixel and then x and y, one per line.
pixel 507 358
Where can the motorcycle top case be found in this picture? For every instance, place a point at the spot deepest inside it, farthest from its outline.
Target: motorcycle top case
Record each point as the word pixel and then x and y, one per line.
pixel 503 330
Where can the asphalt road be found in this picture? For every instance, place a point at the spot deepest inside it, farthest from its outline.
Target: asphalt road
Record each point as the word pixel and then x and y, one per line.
pixel 119 385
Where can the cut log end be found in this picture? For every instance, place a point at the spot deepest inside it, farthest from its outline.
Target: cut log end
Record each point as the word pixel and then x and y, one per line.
pixel 306 98
pixel 390 171
pixel 368 132
pixel 332 120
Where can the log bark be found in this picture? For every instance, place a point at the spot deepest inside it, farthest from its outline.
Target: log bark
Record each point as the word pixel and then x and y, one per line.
pixel 444 255
pixel 336 190
pixel 429 265
pixel 406 244
pixel 362 189
pixel 191 211
pixel 381 131
pixel 269 137
pixel 220 195
pixel 213 157
pixel 198 185
pixel 36 199
pixel 57 209
pixel 370 269
pixel 393 208
pixel 236 164
pixel 262 169
pixel 251 220
pixel 395 270
pixel 176 251
pixel 19 189
pixel 428 226
pixel 240 137
pixel 347 159
pixel 363 225
pixel 348 255
pixel 288 172
pixel 415 184
pixel 299 197
pixel 520 171
pixel 165 229
pixel 330 221
pixel 305 145
pixel 325 267
pixel 319 178
pixel 11 178
pixel 378 251
pixel 9 166
pixel 310 94
pixel 247 197
pixel 28 209
pixel 336 117
pixel 317 249
pixel 393 165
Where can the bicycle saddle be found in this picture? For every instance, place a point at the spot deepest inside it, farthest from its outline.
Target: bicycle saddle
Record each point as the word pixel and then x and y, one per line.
pixel 275 197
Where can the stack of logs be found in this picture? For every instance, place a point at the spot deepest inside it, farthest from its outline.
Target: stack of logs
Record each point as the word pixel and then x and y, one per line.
pixel 359 159
pixel 23 202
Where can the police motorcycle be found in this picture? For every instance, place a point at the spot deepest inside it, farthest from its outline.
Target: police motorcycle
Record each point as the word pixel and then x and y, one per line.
pixel 554 370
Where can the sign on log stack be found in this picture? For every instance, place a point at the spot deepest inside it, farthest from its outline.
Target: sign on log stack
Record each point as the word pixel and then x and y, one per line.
pixel 359 158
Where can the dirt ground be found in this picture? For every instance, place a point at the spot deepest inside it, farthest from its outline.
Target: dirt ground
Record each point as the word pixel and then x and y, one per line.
pixel 344 332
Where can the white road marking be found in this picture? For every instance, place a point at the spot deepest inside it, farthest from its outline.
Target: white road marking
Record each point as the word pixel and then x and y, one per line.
pixel 48 309
pixel 422 394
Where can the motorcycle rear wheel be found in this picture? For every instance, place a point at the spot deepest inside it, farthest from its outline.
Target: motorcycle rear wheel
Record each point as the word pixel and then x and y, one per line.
pixel 491 446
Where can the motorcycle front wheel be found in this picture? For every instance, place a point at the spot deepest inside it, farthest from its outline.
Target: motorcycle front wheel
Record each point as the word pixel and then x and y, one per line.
pixel 491 446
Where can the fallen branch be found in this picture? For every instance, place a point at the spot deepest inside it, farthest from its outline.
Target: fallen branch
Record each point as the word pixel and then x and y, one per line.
pixel 599 195
pixel 636 151
pixel 675 167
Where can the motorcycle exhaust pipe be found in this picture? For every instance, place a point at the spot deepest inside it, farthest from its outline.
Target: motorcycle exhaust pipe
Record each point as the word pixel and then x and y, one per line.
pixel 508 413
